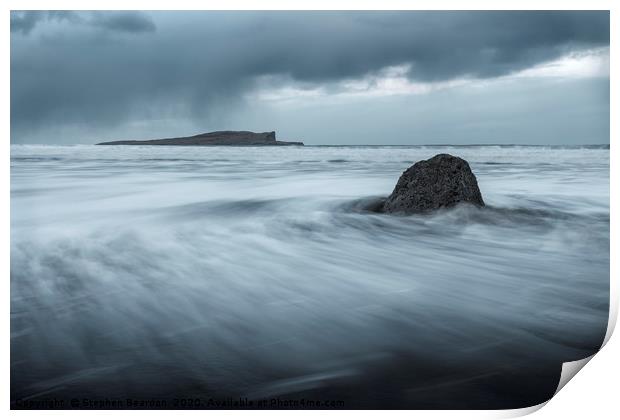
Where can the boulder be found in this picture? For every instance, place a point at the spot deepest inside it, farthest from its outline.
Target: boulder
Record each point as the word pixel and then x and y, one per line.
pixel 442 181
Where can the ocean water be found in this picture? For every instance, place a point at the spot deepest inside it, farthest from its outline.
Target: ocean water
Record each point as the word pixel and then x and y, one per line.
pixel 218 273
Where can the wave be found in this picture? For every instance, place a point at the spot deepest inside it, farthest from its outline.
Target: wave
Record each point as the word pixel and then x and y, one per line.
pixel 261 276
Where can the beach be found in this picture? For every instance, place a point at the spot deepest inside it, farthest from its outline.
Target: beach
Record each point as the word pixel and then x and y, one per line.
pixel 162 272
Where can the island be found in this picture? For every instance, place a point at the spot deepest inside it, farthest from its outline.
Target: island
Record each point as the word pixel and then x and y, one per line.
pixel 216 138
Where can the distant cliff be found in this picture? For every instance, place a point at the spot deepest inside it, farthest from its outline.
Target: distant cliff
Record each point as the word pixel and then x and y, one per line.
pixel 216 138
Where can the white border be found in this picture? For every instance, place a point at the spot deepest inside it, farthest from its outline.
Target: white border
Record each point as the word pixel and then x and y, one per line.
pixel 593 393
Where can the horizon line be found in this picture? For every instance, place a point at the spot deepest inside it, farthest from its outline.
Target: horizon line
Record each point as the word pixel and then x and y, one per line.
pixel 342 145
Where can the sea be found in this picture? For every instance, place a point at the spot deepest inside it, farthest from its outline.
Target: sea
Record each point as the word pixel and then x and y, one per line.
pixel 262 277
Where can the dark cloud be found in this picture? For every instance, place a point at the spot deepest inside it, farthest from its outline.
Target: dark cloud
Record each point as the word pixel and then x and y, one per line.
pixel 123 21
pixel 24 22
pixel 198 62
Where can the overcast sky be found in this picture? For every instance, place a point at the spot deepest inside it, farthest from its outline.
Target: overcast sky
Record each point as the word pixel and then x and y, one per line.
pixel 319 77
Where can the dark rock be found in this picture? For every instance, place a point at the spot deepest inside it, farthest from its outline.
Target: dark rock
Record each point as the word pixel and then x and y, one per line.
pixel 442 181
pixel 216 138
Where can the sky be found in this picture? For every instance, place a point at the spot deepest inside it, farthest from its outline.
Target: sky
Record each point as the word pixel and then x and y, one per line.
pixel 468 77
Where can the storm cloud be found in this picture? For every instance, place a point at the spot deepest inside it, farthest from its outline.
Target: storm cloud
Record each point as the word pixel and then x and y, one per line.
pixel 125 21
pixel 95 69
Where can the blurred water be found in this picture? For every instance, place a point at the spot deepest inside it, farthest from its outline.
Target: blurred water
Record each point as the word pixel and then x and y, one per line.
pixel 215 272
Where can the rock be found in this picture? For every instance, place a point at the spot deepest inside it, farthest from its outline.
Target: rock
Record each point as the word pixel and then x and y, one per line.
pixel 442 181
pixel 216 138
